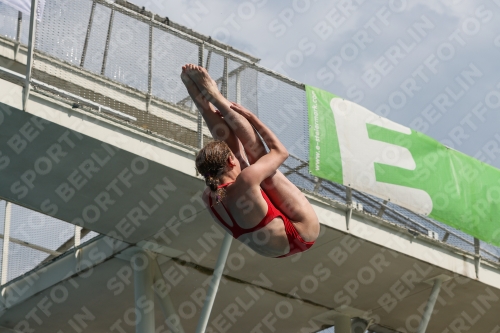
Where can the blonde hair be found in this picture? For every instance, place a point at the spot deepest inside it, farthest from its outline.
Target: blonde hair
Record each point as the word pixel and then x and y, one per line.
pixel 211 164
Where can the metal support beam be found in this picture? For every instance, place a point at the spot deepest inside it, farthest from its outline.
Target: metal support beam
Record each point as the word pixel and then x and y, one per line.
pixel 78 253
pixel 13 75
pixel 207 63
pixel 61 269
pixel 382 208
pixel 348 195
pixel 238 87
pixel 108 38
pixel 6 241
pixel 150 64
pixel 19 26
pixel 296 169
pixel 348 199
pixel 359 325
pixel 348 216
pixel 477 258
pixel 18 33
pixel 342 324
pixel 84 100
pixel 225 78
pixel 426 317
pixel 87 36
pixel 200 63
pixel 31 47
pixel 143 292
pixel 171 318
pixel 214 284
pixel 477 246
pixel 160 286
pixel 32 246
pixel 317 185
pixel 200 117
pixel 78 235
pixel 193 108
pixel 65 246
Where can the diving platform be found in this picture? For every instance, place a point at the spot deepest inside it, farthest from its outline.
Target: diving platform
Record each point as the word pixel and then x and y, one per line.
pixel 103 155
pixel 142 194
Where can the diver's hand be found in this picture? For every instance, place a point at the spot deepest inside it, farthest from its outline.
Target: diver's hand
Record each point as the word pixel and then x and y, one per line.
pixel 242 110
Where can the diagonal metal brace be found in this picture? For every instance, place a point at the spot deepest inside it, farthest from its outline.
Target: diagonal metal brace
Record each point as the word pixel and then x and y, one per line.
pixel 429 308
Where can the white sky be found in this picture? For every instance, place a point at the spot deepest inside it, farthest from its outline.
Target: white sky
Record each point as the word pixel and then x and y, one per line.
pixel 406 60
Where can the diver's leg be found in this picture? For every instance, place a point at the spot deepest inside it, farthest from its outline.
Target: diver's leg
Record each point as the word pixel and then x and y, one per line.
pixel 289 199
pixel 240 126
pixel 283 193
pixel 217 126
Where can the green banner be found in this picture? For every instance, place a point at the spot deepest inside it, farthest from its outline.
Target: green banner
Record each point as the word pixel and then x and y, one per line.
pixel 355 147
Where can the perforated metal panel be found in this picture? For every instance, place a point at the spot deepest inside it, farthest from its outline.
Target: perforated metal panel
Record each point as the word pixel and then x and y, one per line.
pixel 170 53
pixel 22 259
pixel 2 219
pixel 25 29
pixel 2 215
pixel 32 238
pixel 8 21
pixel 242 85
pixel 215 63
pixel 62 29
pixel 97 39
pixel 91 235
pixel 35 228
pixel 283 107
pixel 130 67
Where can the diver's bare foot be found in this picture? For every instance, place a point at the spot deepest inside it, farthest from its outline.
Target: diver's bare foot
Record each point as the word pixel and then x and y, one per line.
pixel 207 86
pixel 193 90
pixel 185 77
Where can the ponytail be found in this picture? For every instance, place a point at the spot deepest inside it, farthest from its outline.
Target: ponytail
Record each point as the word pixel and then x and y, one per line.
pixel 213 183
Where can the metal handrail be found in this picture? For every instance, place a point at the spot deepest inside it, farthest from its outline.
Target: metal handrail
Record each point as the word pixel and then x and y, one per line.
pixel 195 40
pixel 97 105
pixel 305 163
pixel 434 223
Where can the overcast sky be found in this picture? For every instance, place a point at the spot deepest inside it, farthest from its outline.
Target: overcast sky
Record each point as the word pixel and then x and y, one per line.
pixel 431 65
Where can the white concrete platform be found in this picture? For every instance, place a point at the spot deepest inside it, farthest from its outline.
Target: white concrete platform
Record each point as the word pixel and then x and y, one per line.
pixel 144 191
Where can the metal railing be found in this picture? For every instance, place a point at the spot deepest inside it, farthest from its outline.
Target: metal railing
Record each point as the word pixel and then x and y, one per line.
pixel 417 225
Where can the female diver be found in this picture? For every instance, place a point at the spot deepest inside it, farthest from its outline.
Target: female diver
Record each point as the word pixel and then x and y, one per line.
pixel 251 200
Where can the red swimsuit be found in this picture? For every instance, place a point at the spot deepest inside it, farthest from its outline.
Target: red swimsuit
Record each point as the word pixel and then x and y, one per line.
pixel 297 244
